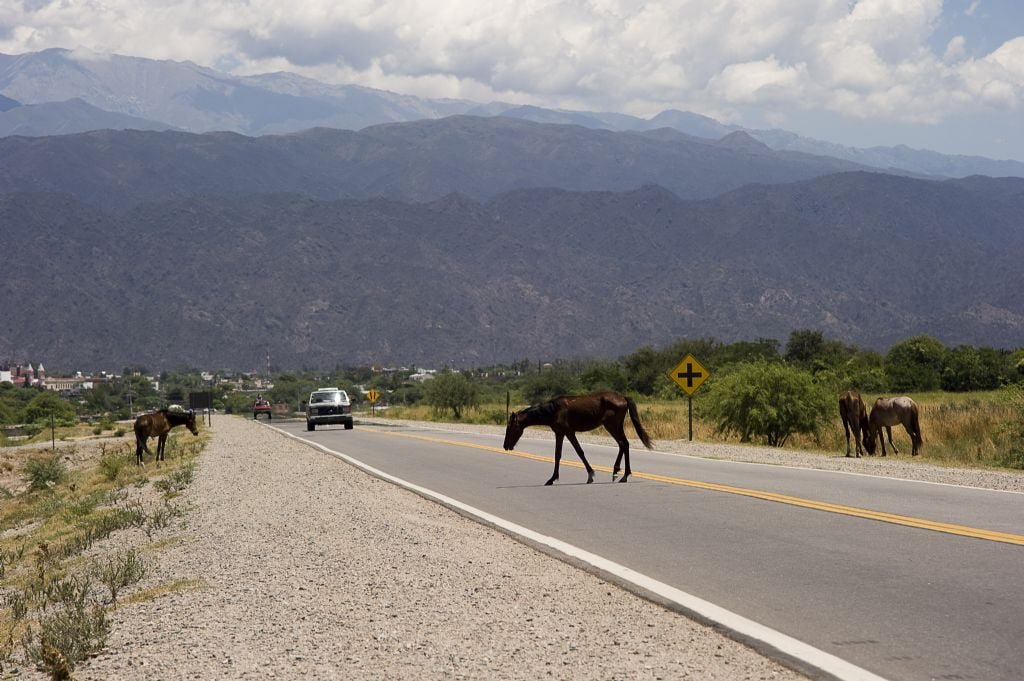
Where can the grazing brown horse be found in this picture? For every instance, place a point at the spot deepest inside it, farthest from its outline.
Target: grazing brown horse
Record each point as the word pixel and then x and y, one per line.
pixel 570 414
pixel 158 424
pixel 888 412
pixel 855 418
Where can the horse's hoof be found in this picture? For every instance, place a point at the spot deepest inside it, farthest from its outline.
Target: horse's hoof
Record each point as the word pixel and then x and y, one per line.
pixel 548 482
pixel 624 480
pixel 590 480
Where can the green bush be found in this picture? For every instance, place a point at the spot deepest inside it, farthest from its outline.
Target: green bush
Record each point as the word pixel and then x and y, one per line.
pixel 450 390
pixel 770 401
pixel 69 632
pixel 112 463
pixel 45 472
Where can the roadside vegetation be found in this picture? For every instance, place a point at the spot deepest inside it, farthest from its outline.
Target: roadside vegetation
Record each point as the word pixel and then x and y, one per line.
pixel 971 399
pixel 760 392
pixel 77 521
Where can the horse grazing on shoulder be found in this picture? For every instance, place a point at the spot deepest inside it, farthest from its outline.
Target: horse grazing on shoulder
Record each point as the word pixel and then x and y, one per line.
pixel 158 424
pixel 892 411
pixel 570 414
pixel 855 418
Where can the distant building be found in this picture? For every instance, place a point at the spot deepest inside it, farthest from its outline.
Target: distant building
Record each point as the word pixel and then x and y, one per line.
pixel 23 375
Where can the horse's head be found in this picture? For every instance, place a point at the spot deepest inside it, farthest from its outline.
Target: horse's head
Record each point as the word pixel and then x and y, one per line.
pixel 514 430
pixel 190 422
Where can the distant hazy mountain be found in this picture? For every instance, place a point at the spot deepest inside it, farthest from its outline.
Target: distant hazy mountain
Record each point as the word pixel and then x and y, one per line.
pixel 63 118
pixel 419 161
pixel 185 96
pixel 191 97
pixel 535 273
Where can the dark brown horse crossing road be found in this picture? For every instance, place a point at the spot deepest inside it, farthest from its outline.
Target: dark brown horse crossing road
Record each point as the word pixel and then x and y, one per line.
pixel 571 414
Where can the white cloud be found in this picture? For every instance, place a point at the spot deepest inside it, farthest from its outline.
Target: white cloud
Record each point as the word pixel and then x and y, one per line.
pixel 863 59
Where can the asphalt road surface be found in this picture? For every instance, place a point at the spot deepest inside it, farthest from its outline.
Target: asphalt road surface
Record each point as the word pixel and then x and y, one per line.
pixel 907 580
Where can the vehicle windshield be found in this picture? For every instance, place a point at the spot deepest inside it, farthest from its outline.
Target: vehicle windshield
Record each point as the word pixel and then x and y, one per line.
pixel 328 396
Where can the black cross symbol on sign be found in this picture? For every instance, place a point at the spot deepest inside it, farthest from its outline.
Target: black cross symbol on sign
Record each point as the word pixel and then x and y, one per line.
pixel 689 374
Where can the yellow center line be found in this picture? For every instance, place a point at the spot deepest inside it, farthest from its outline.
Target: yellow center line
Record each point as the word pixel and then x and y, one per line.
pixel 909 521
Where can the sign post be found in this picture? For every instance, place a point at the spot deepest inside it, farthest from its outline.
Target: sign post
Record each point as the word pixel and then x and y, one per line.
pixel 689 375
pixel 373 396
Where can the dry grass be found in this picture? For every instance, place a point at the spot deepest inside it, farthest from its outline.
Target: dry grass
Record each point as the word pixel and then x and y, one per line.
pixel 962 429
pixel 48 569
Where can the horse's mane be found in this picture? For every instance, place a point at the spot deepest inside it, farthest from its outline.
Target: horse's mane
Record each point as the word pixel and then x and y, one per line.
pixel 543 410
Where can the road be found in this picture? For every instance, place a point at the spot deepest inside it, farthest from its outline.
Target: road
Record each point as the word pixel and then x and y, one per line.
pixel 906 580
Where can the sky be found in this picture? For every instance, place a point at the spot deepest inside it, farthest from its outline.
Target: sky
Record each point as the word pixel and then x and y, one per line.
pixel 947 76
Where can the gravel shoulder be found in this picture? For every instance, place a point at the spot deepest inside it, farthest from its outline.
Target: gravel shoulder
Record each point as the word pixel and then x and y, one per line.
pixel 293 564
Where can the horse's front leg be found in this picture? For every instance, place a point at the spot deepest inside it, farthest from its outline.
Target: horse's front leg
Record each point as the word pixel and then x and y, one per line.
pixel 846 428
pixel 558 457
pixel 888 431
pixel 160 444
pixel 579 451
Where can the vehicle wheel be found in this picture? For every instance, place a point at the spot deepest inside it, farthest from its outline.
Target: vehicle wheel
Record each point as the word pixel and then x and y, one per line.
pixel 348 426
pixel 310 426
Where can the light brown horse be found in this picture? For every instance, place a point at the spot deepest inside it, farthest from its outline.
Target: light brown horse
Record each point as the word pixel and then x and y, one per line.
pixel 855 418
pixel 158 424
pixel 888 412
pixel 570 414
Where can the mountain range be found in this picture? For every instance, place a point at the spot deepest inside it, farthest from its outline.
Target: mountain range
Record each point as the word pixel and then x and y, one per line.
pixel 533 273
pixel 184 96
pixel 418 161
pixel 467 235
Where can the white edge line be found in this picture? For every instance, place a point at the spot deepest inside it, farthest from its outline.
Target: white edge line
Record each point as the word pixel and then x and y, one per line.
pixel 787 645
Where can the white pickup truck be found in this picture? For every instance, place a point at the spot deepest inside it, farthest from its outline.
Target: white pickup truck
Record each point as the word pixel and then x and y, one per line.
pixel 328 405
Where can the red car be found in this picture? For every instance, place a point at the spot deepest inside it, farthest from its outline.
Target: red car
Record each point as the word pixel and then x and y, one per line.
pixel 262 407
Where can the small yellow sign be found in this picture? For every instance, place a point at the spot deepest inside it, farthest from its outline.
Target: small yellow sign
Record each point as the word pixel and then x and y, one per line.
pixel 689 374
pixel 373 395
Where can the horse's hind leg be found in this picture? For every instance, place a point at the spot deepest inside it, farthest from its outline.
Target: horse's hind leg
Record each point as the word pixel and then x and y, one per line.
pixel 140 447
pixel 846 428
pixel 620 438
pixel 623 453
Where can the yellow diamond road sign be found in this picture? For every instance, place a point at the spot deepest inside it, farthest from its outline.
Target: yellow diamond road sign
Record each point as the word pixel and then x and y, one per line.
pixel 373 395
pixel 689 374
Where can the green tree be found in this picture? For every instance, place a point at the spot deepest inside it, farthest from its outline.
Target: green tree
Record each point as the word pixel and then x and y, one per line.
pixel 548 384
pixel 603 376
pixel 768 400
pixel 450 390
pixel 48 402
pixel 969 368
pixel 747 351
pixel 645 368
pixel 809 349
pixel 915 364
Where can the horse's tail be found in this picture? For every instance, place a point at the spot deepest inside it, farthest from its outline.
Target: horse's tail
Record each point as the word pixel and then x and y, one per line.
pixel 635 418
